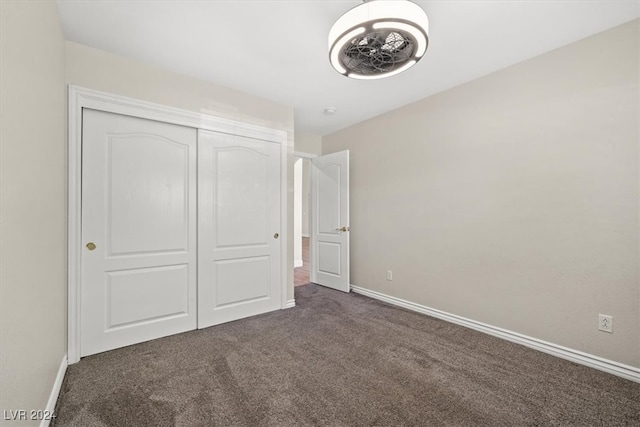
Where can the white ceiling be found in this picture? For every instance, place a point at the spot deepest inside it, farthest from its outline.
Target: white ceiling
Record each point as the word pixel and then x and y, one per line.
pixel 278 49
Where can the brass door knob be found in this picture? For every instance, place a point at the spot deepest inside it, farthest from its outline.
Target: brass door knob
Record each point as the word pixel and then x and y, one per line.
pixel 91 246
pixel 275 236
pixel 343 229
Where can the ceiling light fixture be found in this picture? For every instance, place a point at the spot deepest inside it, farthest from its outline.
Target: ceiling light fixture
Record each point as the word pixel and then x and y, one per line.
pixel 379 38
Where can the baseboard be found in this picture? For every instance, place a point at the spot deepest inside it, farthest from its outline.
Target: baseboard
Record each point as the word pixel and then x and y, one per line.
pixel 297 263
pixel 576 356
pixel 55 391
pixel 290 303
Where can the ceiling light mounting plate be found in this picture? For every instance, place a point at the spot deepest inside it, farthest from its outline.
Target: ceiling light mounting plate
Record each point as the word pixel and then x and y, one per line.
pixel 378 38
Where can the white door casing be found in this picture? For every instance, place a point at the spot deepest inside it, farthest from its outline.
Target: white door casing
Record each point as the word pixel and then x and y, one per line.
pixel 239 242
pixel 297 213
pixel 330 220
pixel 139 210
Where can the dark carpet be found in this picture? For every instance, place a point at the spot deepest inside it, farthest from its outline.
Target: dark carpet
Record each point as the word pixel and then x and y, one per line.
pixel 339 360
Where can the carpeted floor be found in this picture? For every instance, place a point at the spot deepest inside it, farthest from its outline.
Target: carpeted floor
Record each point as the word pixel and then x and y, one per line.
pixel 339 360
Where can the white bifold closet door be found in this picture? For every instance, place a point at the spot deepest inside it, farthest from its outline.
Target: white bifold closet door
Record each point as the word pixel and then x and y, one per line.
pixel 138 229
pixel 238 228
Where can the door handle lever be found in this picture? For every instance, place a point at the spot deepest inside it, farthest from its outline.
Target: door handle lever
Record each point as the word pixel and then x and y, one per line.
pixel 343 229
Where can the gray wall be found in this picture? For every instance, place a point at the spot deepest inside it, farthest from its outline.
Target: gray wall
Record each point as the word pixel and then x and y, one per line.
pixel 104 71
pixel 512 199
pixel 32 204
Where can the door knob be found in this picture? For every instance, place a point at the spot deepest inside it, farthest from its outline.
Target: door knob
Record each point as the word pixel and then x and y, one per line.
pixel 275 236
pixel 343 229
pixel 91 246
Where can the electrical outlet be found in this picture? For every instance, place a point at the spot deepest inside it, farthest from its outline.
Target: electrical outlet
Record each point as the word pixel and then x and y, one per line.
pixel 605 323
pixel 389 275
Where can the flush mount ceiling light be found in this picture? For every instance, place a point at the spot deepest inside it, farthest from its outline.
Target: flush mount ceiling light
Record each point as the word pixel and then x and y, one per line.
pixel 379 38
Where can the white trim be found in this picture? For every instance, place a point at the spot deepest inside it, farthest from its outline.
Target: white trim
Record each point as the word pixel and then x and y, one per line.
pixel 89 98
pixel 306 235
pixel 297 263
pixel 284 219
pixel 55 392
pixel 290 303
pixel 74 229
pixel 303 155
pixel 576 356
pixel 80 98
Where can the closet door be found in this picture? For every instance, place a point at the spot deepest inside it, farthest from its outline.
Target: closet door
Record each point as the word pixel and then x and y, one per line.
pixel 238 228
pixel 138 230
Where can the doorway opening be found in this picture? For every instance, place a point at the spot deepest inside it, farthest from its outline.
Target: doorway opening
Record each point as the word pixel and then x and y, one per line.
pixel 324 196
pixel 301 224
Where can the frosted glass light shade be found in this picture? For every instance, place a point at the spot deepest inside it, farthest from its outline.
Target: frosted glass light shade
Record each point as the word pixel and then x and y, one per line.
pixel 378 39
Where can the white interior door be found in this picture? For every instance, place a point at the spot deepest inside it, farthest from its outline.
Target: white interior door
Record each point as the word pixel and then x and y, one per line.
pixel 139 230
pixel 238 228
pixel 330 220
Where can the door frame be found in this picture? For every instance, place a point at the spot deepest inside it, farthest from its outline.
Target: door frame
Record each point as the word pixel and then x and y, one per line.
pixel 79 98
pixel 301 155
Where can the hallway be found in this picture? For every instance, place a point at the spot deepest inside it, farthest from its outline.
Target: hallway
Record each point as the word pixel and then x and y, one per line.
pixel 301 274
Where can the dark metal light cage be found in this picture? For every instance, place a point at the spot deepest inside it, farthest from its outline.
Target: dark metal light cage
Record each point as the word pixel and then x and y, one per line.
pixel 377 52
pixel 379 38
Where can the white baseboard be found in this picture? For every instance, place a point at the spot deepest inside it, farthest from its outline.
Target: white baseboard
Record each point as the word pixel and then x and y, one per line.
pixel 290 303
pixel 576 356
pixel 297 263
pixel 55 391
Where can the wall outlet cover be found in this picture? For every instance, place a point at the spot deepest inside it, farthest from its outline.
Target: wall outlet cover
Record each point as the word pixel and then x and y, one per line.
pixel 605 323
